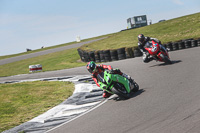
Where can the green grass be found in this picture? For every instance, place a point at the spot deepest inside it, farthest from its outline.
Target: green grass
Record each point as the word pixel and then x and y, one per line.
pixel 51 47
pixel 54 61
pixel 168 31
pixel 20 102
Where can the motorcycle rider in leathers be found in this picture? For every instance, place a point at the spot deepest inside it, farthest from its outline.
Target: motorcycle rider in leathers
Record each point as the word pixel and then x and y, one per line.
pixel 144 42
pixel 96 70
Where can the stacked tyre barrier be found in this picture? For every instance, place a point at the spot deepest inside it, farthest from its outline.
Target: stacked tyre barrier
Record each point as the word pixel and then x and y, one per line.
pixel 183 44
pixel 131 52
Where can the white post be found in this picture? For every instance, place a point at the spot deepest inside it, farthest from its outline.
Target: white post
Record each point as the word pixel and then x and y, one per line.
pixel 78 39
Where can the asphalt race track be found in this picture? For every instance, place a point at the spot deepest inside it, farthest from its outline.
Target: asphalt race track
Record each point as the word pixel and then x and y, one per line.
pixel 168 100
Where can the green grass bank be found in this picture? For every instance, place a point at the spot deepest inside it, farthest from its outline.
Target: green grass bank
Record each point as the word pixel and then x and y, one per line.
pixel 168 31
pixel 20 102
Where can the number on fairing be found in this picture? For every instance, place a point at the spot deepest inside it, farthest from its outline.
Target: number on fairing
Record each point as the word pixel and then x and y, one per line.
pixel 154 49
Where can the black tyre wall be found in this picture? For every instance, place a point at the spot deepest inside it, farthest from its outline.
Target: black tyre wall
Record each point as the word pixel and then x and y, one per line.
pixel 80 54
pixel 85 56
pixel 181 45
pixel 121 53
pixel 188 44
pixel 137 52
pixel 175 46
pixel 169 46
pixel 107 55
pixel 194 43
pixel 97 56
pixel 102 58
pixel 113 55
pixel 91 56
pixel 129 53
pixel 198 42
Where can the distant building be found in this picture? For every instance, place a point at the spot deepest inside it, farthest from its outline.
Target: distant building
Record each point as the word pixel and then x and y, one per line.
pixel 137 21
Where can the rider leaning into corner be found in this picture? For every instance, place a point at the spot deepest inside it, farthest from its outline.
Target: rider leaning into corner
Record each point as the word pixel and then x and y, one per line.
pixel 96 70
pixel 144 42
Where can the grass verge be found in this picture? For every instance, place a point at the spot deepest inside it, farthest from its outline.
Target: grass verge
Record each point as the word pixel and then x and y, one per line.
pixel 168 31
pixel 20 102
pixel 51 47
pixel 54 61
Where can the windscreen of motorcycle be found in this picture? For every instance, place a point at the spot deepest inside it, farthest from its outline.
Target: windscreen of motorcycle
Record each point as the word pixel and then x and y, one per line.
pixel 154 48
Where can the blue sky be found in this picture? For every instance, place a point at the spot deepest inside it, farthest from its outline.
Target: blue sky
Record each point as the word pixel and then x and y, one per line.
pixel 36 23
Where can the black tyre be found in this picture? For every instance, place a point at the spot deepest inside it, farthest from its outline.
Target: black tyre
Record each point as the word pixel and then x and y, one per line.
pixel 175 46
pixel 198 42
pixel 102 58
pixel 121 56
pixel 136 87
pixel 85 56
pixel 97 56
pixel 114 58
pixel 181 45
pixel 165 59
pixel 188 44
pixel 107 58
pixel 91 56
pixel 121 51
pixel 194 43
pixel 80 54
pixel 113 55
pixel 129 52
pixel 137 52
pixel 120 90
pixel 113 52
pixel 169 46
pixel 127 55
pixel 107 55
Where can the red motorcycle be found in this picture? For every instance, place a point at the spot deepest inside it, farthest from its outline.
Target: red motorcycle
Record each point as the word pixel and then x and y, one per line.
pixel 158 53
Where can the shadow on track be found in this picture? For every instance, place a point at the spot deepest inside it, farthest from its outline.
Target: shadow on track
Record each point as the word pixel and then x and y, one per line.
pixel 164 64
pixel 133 94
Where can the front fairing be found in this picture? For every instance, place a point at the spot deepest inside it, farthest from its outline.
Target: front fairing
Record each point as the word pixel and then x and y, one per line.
pixel 164 53
pixel 106 86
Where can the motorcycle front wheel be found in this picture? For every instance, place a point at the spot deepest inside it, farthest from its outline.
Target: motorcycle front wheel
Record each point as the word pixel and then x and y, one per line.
pixel 165 59
pixel 136 87
pixel 120 90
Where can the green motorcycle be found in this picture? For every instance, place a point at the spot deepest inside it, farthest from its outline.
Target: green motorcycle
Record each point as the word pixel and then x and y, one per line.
pixel 117 84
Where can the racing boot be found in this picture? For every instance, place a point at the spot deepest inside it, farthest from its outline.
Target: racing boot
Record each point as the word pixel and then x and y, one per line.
pixel 106 94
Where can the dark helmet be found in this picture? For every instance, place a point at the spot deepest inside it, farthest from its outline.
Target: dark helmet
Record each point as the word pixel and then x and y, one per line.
pixel 91 66
pixel 141 38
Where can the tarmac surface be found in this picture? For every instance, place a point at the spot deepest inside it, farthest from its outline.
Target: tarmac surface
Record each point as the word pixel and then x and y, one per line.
pixel 167 102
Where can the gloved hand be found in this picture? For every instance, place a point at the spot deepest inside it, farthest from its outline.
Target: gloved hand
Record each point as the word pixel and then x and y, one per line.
pixel 101 78
pixel 146 53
